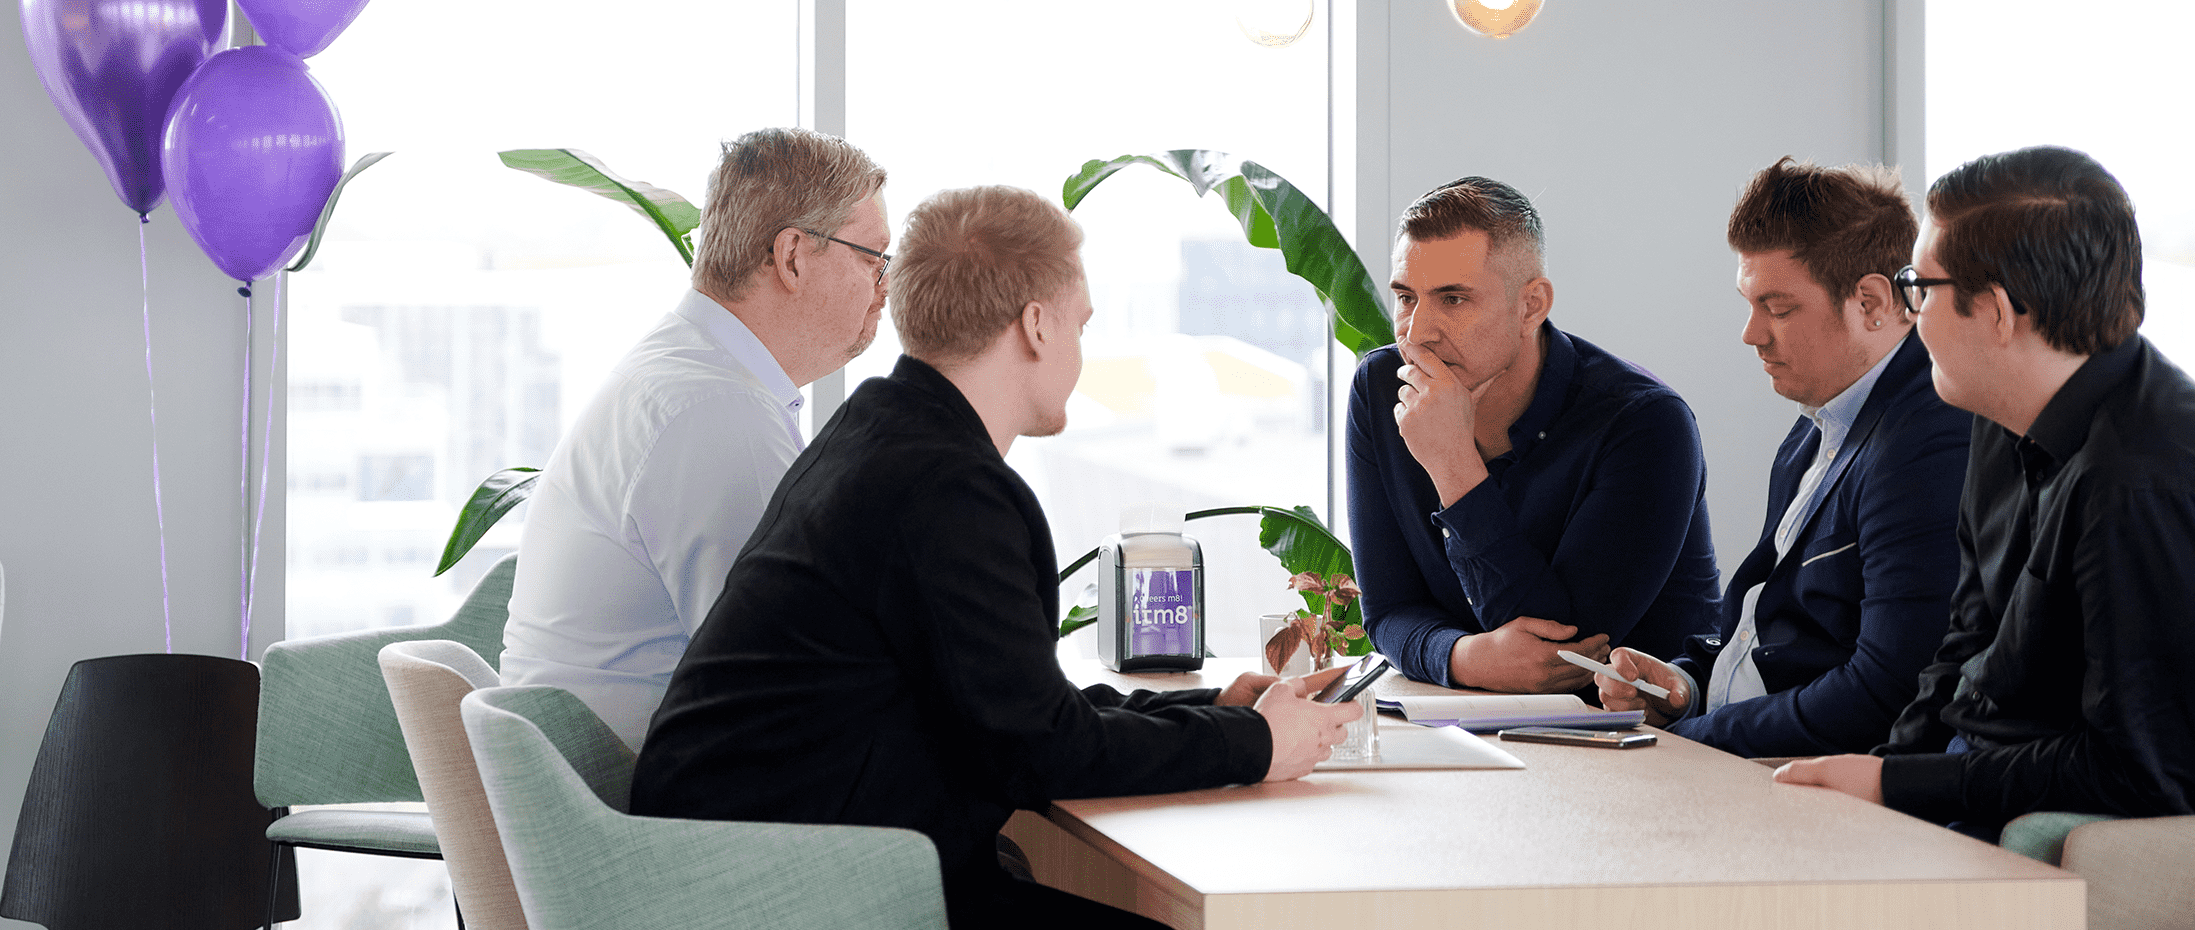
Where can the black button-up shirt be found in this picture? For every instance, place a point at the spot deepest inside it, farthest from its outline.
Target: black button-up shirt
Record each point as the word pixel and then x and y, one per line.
pixel 2074 613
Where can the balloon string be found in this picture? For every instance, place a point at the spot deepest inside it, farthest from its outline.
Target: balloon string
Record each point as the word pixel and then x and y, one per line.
pixel 266 447
pixel 152 397
pixel 244 493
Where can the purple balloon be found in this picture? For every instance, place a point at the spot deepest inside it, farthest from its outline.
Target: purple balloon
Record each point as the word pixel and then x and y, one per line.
pixel 252 151
pixel 112 67
pixel 302 27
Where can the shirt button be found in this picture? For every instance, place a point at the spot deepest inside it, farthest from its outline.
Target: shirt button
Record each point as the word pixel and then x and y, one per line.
pixel 1446 533
pixel 1543 434
pixel 1469 600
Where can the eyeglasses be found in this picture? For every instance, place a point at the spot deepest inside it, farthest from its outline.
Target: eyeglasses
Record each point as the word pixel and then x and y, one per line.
pixel 1912 288
pixel 884 260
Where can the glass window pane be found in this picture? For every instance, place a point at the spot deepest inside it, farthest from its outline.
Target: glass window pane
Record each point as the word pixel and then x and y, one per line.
pixel 461 312
pixel 1205 377
pixel 2119 94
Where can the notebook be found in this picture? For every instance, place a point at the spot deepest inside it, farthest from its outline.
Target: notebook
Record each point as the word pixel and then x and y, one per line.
pixel 1497 711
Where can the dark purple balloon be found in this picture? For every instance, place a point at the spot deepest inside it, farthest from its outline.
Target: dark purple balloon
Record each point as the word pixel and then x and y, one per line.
pixel 112 67
pixel 302 27
pixel 252 151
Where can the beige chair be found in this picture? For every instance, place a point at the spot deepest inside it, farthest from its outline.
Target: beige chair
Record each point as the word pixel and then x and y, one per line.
pixel 2137 869
pixel 427 679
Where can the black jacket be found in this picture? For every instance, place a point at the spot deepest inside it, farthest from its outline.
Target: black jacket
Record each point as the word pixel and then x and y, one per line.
pixel 1849 616
pixel 883 653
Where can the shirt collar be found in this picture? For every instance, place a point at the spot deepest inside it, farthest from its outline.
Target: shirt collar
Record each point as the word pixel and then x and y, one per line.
pixel 1835 418
pixel 730 334
pixel 2062 426
pixel 1556 370
pixel 918 374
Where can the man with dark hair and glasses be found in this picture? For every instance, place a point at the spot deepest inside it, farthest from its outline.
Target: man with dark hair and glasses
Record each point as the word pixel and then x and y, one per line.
pixel 1828 621
pixel 649 498
pixel 2060 685
pixel 1515 491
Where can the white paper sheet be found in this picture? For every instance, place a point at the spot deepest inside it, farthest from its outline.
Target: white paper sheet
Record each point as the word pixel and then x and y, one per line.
pixel 1405 745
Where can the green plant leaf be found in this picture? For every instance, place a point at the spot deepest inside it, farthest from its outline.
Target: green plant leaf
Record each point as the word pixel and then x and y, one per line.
pixel 1077 618
pixel 494 498
pixel 1273 214
pixel 320 226
pixel 670 213
pixel 1302 543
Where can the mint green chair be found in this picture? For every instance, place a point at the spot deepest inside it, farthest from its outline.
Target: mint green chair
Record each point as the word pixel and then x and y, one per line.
pixel 556 777
pixel 328 733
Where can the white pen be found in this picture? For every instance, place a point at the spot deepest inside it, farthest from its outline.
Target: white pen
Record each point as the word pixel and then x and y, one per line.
pixel 1610 671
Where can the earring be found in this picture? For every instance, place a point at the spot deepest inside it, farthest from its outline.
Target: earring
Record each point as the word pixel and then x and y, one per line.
pixel 1878 324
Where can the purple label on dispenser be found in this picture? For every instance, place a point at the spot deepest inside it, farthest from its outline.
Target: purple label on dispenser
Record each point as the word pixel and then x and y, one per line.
pixel 1162 612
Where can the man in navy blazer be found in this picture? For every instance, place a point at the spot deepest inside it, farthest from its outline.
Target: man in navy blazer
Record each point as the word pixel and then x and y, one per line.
pixel 1829 620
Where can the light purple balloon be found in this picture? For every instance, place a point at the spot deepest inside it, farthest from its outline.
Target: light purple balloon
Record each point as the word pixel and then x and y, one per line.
pixel 302 27
pixel 252 151
pixel 112 67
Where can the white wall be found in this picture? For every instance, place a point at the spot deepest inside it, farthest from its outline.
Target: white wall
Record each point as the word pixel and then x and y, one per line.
pixel 77 534
pixel 1632 130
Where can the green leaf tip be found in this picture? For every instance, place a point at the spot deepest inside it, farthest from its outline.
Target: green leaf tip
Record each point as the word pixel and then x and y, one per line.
pixel 494 498
pixel 671 214
pixel 327 210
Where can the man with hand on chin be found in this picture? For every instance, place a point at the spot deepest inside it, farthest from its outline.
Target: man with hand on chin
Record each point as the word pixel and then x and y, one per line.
pixel 2061 684
pixel 1515 490
pixel 884 651
pixel 1828 621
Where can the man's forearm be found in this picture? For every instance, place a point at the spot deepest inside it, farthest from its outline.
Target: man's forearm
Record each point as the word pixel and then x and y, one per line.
pixel 1418 639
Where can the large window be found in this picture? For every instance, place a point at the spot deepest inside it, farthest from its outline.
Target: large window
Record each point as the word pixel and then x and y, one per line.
pixel 2003 74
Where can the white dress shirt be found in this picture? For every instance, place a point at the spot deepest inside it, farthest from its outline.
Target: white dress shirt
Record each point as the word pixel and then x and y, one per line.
pixel 1735 677
pixel 641 510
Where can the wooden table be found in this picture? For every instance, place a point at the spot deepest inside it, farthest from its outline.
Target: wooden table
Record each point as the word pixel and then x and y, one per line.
pixel 1677 836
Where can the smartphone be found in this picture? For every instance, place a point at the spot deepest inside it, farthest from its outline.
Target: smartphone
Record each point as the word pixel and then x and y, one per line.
pixel 1354 681
pixel 1612 739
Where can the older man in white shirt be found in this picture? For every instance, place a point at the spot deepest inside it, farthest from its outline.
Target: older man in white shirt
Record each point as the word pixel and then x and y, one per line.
pixel 650 497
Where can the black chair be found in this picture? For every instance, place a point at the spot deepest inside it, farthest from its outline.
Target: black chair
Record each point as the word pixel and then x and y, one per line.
pixel 140 809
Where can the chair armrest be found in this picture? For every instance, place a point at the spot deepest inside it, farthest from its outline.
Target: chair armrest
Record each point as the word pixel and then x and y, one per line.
pixel 2136 871
pixel 699 875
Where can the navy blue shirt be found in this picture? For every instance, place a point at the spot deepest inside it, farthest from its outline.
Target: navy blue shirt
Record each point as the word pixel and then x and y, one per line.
pixel 1596 516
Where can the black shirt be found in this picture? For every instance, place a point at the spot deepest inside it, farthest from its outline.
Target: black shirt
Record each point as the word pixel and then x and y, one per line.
pixel 883 653
pixel 2074 615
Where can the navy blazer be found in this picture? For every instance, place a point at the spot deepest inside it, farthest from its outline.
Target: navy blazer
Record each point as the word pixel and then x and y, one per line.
pixel 1851 615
